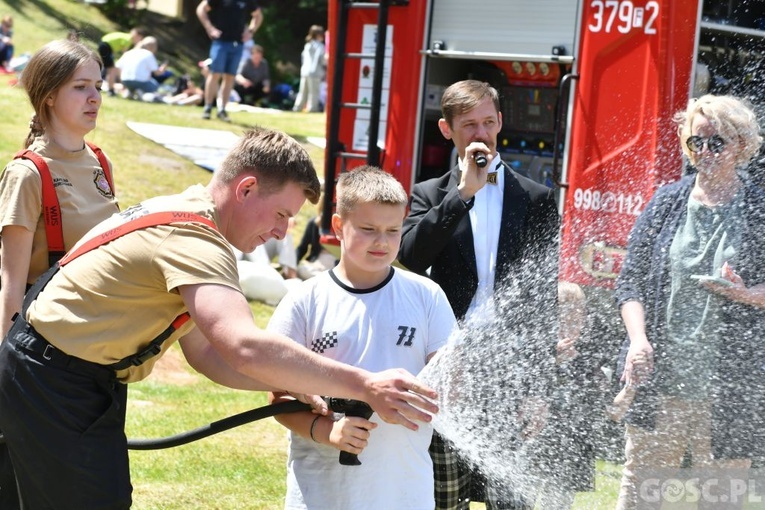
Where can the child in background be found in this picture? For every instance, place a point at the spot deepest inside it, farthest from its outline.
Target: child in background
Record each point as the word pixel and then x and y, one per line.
pixel 311 256
pixel 186 91
pixel 311 71
pixel 367 314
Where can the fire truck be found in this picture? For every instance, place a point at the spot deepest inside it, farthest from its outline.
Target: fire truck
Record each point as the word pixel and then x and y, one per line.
pixel 588 89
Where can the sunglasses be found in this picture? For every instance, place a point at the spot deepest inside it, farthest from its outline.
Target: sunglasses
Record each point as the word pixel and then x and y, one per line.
pixel 715 144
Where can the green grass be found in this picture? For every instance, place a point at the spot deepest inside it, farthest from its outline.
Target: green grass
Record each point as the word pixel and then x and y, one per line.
pixel 239 469
pixel 37 22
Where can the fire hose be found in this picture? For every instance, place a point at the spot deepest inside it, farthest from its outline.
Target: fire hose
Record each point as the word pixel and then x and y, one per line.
pixel 338 405
pixel 347 406
pixel 215 427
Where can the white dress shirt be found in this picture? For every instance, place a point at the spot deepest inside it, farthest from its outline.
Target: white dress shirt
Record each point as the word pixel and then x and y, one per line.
pixel 485 220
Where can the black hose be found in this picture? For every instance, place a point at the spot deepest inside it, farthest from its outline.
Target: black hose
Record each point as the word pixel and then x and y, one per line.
pixel 230 422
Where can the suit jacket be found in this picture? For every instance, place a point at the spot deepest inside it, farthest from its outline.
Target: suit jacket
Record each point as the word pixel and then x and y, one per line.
pixel 437 234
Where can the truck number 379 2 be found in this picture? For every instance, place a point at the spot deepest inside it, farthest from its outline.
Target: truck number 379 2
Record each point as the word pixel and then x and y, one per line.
pixel 623 16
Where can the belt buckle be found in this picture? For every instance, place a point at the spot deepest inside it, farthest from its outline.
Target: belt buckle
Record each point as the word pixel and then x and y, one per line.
pixel 48 352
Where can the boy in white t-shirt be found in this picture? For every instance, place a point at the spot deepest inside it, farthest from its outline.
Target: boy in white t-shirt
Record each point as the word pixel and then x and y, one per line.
pixel 368 314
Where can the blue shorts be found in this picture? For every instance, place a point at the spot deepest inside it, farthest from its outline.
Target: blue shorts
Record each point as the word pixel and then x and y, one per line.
pixel 225 56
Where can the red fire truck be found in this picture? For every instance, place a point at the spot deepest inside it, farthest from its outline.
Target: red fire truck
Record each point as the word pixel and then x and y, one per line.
pixel 588 89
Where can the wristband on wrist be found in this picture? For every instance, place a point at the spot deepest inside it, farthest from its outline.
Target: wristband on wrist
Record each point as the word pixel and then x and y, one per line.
pixel 313 425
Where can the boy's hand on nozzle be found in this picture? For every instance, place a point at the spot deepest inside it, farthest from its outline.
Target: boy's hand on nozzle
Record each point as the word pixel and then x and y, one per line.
pixel 351 434
pixel 399 398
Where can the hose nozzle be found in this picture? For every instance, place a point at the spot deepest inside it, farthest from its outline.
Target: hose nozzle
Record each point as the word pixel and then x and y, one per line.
pixel 349 407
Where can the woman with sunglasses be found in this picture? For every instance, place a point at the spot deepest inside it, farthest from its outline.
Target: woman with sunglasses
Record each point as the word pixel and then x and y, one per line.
pixel 692 298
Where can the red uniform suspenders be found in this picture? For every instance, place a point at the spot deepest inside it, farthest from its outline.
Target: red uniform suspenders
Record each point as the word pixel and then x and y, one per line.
pixel 148 220
pixel 51 208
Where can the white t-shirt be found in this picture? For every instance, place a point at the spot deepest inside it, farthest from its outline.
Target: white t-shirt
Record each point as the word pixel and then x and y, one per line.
pixel 394 325
pixel 137 65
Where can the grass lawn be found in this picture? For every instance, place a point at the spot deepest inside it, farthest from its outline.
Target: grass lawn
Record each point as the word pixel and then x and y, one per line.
pixel 240 469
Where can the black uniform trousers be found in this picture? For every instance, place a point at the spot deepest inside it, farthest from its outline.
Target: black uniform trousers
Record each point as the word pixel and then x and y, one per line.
pixel 63 419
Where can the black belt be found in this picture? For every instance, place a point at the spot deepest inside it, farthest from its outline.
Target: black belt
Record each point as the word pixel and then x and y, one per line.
pixel 24 337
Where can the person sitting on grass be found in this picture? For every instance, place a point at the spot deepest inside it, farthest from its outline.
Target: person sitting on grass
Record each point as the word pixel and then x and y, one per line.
pixel 187 92
pixel 253 81
pixel 113 45
pixel 6 43
pixel 139 69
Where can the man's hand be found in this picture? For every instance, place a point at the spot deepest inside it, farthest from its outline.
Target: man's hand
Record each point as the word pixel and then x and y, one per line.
pixel 202 9
pixel 213 33
pixel 399 398
pixel 738 291
pixel 256 19
pixel 318 404
pixel 244 82
pixel 473 178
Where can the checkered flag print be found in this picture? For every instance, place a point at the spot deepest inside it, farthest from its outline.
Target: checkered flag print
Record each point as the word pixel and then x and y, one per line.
pixel 327 341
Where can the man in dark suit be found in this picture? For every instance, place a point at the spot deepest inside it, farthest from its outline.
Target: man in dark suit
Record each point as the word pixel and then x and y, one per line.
pixel 473 227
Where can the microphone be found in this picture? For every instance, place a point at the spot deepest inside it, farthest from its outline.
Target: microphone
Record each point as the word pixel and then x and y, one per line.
pixel 480 159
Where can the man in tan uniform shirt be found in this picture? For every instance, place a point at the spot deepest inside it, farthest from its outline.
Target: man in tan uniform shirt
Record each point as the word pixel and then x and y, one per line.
pixel 61 404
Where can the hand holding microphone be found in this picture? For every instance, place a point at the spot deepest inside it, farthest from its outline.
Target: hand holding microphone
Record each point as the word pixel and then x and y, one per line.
pixel 474 168
pixel 480 159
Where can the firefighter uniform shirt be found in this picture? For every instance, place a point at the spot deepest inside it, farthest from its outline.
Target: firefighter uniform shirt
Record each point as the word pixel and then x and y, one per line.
pixel 130 284
pixel 83 193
